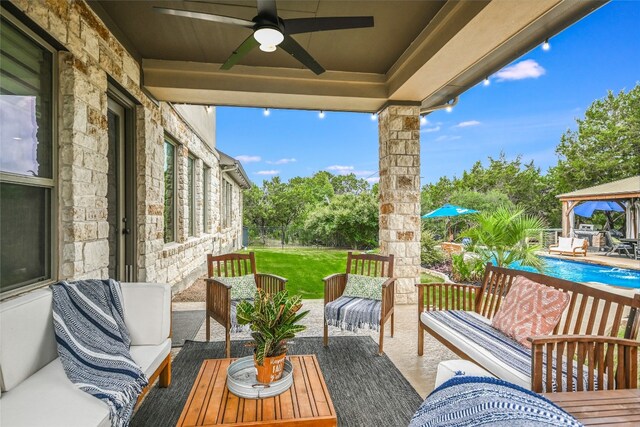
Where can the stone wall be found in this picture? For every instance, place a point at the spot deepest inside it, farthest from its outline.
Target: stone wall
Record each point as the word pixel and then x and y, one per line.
pixel 400 227
pixel 93 56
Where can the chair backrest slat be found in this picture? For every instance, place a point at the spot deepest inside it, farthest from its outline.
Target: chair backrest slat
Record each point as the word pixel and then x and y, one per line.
pixel 231 265
pixel 370 265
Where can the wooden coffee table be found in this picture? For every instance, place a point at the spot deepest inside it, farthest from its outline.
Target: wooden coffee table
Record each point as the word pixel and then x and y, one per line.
pixel 306 403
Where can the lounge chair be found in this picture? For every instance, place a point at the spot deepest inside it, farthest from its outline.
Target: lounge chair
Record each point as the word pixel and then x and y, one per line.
pixel 615 245
pixel 224 271
pixel 570 246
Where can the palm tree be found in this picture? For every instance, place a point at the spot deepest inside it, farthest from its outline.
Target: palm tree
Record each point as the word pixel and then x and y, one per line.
pixel 501 237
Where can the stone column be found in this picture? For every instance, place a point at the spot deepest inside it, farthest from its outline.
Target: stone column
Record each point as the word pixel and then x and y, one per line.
pixel 399 133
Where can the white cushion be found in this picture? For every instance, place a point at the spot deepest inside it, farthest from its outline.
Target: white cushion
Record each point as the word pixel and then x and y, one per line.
pixel 149 357
pixel 448 369
pixel 147 312
pixel 49 399
pixel 577 243
pixel 477 353
pixel 27 341
pixel 564 243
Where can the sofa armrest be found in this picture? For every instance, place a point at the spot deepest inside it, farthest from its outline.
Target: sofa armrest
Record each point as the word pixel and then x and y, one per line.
pixel 147 312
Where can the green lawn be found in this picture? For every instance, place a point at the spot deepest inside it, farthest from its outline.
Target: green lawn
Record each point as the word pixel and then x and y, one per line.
pixel 305 267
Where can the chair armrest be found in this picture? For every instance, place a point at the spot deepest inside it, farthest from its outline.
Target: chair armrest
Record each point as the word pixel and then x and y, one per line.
pixel 334 286
pixel 598 355
pixel 218 300
pixel 147 312
pixel 446 296
pixel 270 283
pixel 388 296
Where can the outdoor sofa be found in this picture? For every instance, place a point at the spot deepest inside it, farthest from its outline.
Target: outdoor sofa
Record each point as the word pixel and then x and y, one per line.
pixel 570 246
pixel 35 388
pixel 585 340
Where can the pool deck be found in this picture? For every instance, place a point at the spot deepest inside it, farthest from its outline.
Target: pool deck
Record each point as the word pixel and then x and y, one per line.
pixel 599 258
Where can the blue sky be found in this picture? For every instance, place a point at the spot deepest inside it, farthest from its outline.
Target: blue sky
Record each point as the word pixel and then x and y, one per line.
pixel 525 110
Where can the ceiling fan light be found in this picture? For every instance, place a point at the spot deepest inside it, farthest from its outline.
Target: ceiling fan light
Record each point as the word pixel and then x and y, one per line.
pixel 267 48
pixel 268 37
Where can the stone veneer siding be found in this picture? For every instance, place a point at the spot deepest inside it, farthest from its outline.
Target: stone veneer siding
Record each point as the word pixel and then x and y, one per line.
pixel 400 227
pixel 93 55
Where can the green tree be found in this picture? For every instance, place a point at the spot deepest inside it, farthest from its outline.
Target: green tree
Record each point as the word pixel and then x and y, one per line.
pixel 605 147
pixel 257 210
pixel 348 184
pixel 288 202
pixel 501 236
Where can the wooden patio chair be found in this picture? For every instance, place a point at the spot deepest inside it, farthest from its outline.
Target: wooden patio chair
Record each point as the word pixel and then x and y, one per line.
pixel 366 265
pixel 218 294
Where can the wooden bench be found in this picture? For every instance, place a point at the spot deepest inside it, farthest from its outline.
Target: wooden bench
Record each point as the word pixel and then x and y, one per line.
pixel 586 338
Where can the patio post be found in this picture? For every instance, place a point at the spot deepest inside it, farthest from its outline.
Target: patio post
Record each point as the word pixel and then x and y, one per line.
pixel 400 227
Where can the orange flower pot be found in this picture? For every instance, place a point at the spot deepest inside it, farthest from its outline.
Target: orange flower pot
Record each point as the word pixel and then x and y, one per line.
pixel 271 370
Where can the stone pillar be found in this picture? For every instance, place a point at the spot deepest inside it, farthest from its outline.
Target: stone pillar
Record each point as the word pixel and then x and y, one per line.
pixel 399 133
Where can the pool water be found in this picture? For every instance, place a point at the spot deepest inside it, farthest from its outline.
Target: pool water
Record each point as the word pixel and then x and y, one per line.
pixel 583 272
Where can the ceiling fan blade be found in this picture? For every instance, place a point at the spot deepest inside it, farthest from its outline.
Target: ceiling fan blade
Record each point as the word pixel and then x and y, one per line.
pixel 217 3
pixel 240 52
pixel 308 25
pixel 294 49
pixel 267 9
pixel 205 16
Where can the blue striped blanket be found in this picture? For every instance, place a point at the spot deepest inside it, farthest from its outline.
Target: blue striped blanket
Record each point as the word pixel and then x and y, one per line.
pixel 93 344
pixel 477 401
pixel 504 348
pixel 352 314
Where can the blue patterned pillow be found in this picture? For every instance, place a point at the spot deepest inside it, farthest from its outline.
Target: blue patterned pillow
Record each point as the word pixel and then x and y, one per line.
pixel 242 287
pixel 359 286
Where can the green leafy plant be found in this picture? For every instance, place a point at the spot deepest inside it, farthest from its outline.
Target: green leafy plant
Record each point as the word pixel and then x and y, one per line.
pixel 430 255
pixel 274 319
pixel 502 237
pixel 466 270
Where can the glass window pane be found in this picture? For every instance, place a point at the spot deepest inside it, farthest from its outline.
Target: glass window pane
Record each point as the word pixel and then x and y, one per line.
pixel 205 199
pixel 25 231
pixel 169 191
pixel 191 178
pixel 26 99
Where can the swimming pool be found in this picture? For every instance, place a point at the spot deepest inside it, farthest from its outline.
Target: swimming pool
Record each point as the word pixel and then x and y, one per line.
pixel 583 272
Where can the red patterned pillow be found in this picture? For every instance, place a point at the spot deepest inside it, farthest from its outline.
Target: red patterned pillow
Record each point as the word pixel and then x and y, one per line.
pixel 529 309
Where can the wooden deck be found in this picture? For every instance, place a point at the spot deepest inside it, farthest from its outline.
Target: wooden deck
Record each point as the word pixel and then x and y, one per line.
pixel 600 408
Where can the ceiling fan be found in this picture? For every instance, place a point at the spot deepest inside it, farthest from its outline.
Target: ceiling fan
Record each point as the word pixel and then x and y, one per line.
pixel 270 31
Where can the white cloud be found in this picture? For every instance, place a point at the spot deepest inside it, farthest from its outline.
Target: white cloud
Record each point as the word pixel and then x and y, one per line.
pixel 373 180
pixel 428 130
pixel 281 161
pixel 341 169
pixel 248 159
pixel 527 69
pixel 467 124
pixel 268 172
pixel 447 138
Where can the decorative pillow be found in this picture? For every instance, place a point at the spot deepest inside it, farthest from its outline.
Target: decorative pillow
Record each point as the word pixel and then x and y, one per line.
pixel 529 309
pixel 359 286
pixel 242 287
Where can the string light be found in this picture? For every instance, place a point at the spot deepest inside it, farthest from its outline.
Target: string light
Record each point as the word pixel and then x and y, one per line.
pixel 423 120
pixel 374 116
pixel 486 81
pixel 321 114
pixel 546 45
pixel 266 112
pixel 449 109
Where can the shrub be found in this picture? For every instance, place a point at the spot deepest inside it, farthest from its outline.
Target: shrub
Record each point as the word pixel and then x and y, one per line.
pixel 470 269
pixel 430 255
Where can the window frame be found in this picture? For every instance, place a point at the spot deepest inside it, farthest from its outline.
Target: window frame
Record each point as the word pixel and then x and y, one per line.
pixel 191 199
pixel 226 200
pixel 169 140
pixel 49 183
pixel 206 188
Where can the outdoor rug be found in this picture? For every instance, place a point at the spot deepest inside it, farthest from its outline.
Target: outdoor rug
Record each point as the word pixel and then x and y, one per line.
pixel 185 325
pixel 366 389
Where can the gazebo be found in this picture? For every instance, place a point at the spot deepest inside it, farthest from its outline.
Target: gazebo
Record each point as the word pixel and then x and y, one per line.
pixel 625 192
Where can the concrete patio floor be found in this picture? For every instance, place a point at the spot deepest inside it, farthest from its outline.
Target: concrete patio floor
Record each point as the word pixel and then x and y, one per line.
pixel 401 349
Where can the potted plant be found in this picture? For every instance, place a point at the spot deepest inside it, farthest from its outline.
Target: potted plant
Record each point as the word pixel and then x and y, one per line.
pixel 274 319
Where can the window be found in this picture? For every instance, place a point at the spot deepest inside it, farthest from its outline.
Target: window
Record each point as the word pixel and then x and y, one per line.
pixel 226 199
pixel 169 191
pixel 191 197
pixel 206 187
pixel 27 181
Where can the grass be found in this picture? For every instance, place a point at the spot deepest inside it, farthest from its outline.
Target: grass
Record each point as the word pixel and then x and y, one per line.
pixel 303 267
pixel 430 278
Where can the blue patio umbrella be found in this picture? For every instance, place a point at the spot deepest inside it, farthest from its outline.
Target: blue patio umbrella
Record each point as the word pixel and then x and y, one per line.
pixel 448 210
pixel 586 209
